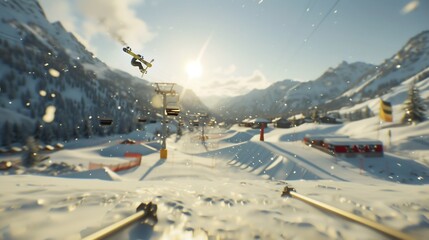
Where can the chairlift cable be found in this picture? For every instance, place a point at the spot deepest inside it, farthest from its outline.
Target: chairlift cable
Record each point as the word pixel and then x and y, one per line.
pixel 308 7
pixel 307 39
pixel 314 30
pixel 323 19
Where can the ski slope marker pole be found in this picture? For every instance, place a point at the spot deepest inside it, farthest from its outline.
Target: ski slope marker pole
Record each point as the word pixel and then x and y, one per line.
pixel 291 192
pixel 144 212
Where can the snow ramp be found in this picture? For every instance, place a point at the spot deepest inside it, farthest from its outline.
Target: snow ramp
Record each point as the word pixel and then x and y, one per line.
pixel 255 158
pixel 238 137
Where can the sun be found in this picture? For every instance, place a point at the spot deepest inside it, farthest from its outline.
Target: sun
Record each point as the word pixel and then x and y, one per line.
pixel 194 69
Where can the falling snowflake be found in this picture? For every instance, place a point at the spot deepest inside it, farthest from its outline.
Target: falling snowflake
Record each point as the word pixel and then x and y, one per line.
pixel 49 114
pixel 54 72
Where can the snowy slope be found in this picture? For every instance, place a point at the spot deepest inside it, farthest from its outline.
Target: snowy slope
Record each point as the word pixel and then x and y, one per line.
pixel 396 96
pixel 228 187
pixel 231 191
pixel 406 63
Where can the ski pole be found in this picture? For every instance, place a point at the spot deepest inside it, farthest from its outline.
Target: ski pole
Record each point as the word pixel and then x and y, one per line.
pixel 144 212
pixel 291 192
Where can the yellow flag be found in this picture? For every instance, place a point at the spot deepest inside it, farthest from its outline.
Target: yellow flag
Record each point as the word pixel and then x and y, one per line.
pixel 386 111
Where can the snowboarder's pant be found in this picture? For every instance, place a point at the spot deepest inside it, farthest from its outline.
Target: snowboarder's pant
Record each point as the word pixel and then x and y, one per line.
pixel 137 64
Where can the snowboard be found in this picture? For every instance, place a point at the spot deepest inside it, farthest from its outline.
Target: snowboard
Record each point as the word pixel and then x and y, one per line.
pixel 134 55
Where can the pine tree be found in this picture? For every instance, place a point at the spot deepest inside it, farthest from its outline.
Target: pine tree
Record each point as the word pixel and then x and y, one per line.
pixel 38 130
pixel 17 133
pixel 47 133
pixel 87 128
pixel 315 116
pixel 31 157
pixel 367 113
pixel 414 107
pixel 293 121
pixel 25 132
pixel 76 132
pixel 7 134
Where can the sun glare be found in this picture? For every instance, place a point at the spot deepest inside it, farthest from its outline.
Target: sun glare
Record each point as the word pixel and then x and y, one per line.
pixel 194 69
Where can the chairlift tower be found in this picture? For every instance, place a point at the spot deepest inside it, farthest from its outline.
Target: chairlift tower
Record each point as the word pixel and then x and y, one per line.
pixel 203 120
pixel 165 89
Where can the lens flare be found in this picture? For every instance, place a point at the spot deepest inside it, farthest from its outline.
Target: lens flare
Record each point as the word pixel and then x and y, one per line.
pixel 194 69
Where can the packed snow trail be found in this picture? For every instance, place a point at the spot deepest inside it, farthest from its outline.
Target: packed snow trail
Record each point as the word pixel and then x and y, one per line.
pixel 207 197
pixel 294 153
pixel 356 169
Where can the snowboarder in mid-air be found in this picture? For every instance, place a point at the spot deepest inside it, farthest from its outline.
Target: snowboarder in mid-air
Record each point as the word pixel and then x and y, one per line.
pixel 135 62
pixel 138 60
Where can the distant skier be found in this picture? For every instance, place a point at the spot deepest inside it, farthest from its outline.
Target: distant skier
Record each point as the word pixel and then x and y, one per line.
pixel 137 63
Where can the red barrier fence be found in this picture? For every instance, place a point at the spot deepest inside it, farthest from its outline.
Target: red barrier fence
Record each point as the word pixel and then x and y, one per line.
pixel 132 155
pixel 120 166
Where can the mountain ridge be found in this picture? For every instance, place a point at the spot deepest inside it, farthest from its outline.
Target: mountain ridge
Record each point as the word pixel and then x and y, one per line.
pixel 287 95
pixel 42 65
pixel 341 86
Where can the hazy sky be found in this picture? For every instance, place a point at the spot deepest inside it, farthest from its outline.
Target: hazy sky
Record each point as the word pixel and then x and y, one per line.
pixel 240 44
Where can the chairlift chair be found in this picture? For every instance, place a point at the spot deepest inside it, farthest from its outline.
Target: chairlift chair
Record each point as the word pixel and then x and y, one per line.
pixel 172 111
pixel 105 121
pixel 172 108
pixel 141 120
pixel 195 123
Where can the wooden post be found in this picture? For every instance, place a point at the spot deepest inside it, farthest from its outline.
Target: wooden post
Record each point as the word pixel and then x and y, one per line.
pixel 261 135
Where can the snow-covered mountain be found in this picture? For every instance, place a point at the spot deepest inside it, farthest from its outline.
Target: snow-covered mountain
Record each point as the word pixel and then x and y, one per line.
pixel 409 61
pixel 42 65
pixel 346 85
pixel 288 96
pixel 259 101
